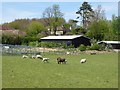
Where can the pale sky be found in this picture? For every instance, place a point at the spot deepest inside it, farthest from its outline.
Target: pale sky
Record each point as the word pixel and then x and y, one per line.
pixel 12 10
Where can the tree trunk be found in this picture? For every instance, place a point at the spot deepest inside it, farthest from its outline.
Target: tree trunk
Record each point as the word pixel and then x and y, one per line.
pixel 55 29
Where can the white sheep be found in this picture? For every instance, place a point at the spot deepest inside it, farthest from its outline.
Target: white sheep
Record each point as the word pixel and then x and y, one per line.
pixel 45 59
pixel 38 56
pixel 67 53
pixel 83 60
pixel 33 56
pixel 24 56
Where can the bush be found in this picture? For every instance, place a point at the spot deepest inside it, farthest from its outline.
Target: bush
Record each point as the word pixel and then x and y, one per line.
pixel 82 47
pixel 44 44
pixel 12 39
pixel 102 47
pixel 70 46
pixel 49 44
pixel 95 47
pixel 88 47
pixel 32 43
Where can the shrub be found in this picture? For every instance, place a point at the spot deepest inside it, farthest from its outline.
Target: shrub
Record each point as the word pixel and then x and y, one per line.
pixel 88 47
pixel 55 44
pixel 95 47
pixel 82 47
pixel 44 44
pixel 70 46
pixel 35 43
pixel 32 43
pixel 102 47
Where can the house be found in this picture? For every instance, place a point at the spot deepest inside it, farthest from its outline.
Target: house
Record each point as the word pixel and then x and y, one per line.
pixel 61 30
pixel 75 40
pixel 4 27
pixel 111 44
pixel 8 31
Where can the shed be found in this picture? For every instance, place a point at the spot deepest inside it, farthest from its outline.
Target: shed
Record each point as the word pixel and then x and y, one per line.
pixel 75 40
pixel 114 44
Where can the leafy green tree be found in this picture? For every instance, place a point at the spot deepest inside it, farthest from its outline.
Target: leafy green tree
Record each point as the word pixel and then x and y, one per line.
pixel 113 32
pixel 79 30
pixel 86 12
pixel 14 25
pixel 116 26
pixel 35 28
pixel 66 27
pixel 73 23
pixel 20 24
pixel 53 17
pixel 98 29
pixel 57 14
pixel 109 35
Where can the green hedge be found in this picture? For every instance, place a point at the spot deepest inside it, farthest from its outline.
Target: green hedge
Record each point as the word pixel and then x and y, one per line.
pixel 96 47
pixel 82 47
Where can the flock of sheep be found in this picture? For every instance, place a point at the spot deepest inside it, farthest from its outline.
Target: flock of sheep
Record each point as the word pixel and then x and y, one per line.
pixel 37 56
pixel 59 59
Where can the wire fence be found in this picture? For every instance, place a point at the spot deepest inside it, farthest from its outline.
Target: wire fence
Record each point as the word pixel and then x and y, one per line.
pixel 17 49
pixel 21 49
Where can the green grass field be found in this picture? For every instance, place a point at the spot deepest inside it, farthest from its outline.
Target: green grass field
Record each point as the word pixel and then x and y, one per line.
pixel 100 71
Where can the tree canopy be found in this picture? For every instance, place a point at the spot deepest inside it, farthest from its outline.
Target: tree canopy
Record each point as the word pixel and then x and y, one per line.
pixel 94 25
pixel 35 28
pixel 86 13
pixel 54 17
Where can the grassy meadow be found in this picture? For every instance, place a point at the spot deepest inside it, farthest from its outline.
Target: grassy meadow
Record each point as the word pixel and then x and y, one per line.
pixel 100 71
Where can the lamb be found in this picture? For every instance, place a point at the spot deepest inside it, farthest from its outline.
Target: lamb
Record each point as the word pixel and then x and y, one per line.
pixel 93 53
pixel 38 56
pixel 24 56
pixel 67 53
pixel 45 59
pixel 83 60
pixel 33 56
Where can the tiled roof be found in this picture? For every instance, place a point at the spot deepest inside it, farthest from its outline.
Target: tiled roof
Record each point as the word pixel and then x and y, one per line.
pixel 4 28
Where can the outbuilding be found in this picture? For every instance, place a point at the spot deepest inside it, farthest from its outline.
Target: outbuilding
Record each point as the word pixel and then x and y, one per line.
pixel 111 44
pixel 75 40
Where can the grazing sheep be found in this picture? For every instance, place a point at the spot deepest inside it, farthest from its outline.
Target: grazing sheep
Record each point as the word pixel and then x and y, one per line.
pixel 24 56
pixel 45 59
pixel 82 60
pixel 65 61
pixel 67 53
pixel 93 53
pixel 61 60
pixel 39 56
pixel 33 56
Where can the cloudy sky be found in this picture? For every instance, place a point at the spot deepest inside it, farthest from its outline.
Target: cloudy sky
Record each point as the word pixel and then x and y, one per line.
pixel 12 10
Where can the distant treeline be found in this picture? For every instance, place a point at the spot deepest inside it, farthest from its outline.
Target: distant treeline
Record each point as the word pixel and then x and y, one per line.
pixel 94 24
